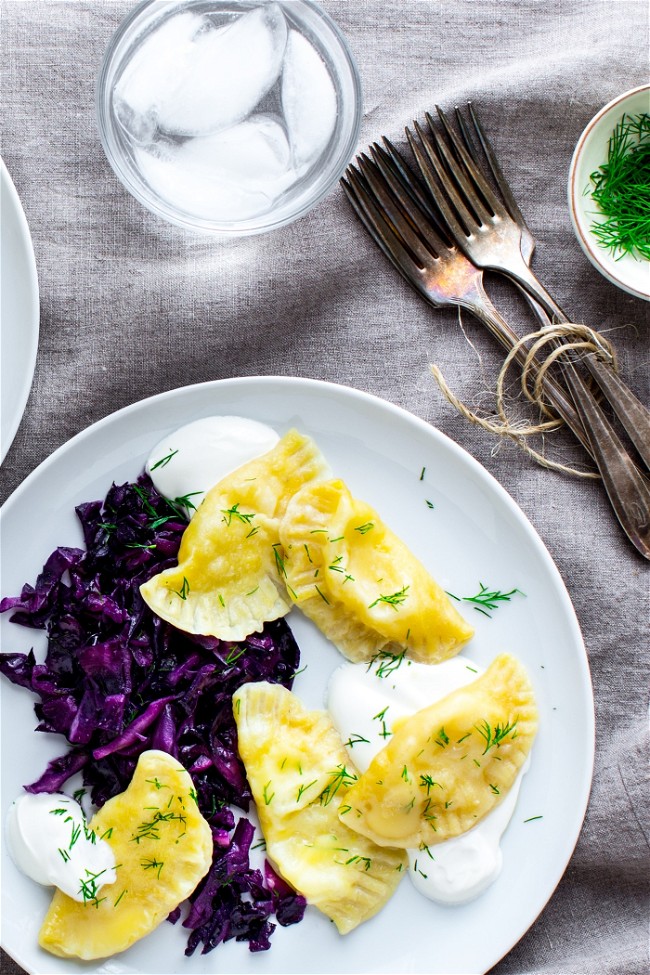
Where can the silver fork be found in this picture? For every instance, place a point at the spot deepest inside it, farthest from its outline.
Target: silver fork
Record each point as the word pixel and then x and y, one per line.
pixel 394 210
pixel 389 202
pixel 495 235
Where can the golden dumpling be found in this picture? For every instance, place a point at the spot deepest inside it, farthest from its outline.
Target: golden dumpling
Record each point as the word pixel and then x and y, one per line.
pixel 447 766
pixel 360 583
pixel 230 575
pixel 162 846
pixel 300 774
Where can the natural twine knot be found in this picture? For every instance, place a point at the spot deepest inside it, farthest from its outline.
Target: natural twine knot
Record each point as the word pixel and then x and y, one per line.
pixel 573 338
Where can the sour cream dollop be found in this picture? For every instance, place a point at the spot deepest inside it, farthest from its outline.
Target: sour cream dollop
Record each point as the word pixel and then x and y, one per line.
pixel 364 702
pixel 192 459
pixel 49 840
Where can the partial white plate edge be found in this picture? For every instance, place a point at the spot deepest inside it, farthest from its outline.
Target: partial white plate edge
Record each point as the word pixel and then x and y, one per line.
pixel 9 429
pixel 539 899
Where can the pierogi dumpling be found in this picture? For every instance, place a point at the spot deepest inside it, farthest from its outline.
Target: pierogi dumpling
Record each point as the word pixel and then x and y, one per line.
pixel 229 579
pixel 163 847
pixel 447 766
pixel 360 583
pixel 300 774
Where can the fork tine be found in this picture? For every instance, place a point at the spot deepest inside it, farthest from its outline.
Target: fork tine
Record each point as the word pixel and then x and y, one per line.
pixel 372 219
pixel 410 182
pixel 418 218
pixel 394 209
pixel 497 172
pixel 457 218
pixel 464 131
pixel 465 171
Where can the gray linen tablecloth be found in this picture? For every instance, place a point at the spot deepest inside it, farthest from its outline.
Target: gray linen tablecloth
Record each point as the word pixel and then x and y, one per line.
pixel 132 307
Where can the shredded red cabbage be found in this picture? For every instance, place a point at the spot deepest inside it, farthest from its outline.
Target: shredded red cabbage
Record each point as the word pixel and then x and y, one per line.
pixel 117 680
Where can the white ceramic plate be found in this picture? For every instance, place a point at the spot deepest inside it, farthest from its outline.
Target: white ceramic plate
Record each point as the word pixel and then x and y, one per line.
pixel 474 532
pixel 630 273
pixel 19 311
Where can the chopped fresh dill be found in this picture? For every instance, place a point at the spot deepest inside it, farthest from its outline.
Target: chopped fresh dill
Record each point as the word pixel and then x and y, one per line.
pixel 386 662
pixel 359 859
pixel 621 189
pixel 146 503
pixel 429 504
pixel 179 504
pixel 234 512
pixel 321 594
pixel 151 863
pixel 495 789
pixel 395 599
pixel 532 819
pixel 493 736
pixel 355 739
pixel 443 738
pixel 267 798
pixel 279 560
pixel 125 891
pixel 235 654
pixel 427 782
pixel 487 598
pixel 365 528
pixel 164 460
pixel 157 783
pixel 422 473
pixel 303 788
pixel 184 591
pixel 339 777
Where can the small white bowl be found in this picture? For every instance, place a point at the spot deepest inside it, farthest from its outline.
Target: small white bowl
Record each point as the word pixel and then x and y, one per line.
pixel 629 272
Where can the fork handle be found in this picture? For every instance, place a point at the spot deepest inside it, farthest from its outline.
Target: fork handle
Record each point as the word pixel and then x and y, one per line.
pixel 634 416
pixel 627 489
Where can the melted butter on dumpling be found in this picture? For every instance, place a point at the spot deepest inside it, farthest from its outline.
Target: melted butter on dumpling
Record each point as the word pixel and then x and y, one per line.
pixel 230 575
pixel 360 583
pixel 448 765
pixel 300 773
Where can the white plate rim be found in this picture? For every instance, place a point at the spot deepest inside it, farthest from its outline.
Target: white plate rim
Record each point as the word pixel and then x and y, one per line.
pixel 295 386
pixel 600 258
pixel 31 298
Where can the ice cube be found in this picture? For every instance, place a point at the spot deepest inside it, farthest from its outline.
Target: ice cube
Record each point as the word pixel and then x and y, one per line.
pixel 254 153
pixel 232 175
pixel 231 69
pixel 150 77
pixel 308 99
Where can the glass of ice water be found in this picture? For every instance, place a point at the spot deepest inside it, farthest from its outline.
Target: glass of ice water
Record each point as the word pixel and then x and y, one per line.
pixel 228 117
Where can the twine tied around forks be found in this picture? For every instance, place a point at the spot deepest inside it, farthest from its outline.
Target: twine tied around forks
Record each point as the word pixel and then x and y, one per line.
pixel 573 338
